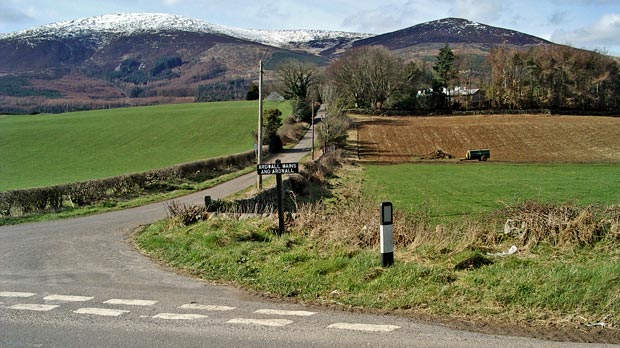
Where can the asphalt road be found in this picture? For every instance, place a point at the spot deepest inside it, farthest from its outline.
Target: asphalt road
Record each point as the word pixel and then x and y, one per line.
pixel 80 283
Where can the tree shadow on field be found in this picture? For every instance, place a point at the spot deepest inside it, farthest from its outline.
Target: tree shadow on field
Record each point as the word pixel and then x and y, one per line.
pixel 380 122
pixel 365 149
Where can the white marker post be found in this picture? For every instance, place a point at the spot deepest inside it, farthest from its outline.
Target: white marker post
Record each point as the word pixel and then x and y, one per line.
pixel 387 235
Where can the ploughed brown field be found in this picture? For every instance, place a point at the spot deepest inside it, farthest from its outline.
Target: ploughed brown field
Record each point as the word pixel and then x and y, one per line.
pixel 511 138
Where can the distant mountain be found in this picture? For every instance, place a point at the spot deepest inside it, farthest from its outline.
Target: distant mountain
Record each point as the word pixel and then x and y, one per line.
pixel 451 31
pixel 95 33
pixel 145 58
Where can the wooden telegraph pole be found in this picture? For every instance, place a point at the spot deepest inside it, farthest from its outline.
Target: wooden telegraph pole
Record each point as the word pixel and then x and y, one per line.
pixel 259 142
pixel 312 108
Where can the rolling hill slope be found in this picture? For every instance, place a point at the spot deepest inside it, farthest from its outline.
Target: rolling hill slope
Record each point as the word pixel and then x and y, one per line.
pixel 145 58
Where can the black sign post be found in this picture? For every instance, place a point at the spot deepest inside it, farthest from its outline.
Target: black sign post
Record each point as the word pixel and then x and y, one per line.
pixel 278 168
pixel 280 194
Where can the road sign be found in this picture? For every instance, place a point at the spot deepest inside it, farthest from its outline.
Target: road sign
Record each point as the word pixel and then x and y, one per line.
pixel 277 168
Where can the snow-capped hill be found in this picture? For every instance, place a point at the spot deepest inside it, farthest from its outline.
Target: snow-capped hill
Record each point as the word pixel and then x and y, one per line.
pixel 112 25
pixel 101 29
pixel 452 31
pixel 284 38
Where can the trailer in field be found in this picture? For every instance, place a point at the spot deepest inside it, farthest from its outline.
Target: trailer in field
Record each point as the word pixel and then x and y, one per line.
pixel 478 154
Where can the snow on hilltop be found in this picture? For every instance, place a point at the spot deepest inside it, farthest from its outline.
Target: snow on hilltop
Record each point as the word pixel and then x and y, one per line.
pixel 102 28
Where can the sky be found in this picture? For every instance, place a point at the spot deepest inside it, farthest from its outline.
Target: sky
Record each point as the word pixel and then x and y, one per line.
pixel 589 24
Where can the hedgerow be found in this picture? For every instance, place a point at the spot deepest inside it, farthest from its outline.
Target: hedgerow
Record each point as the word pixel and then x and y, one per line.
pixel 23 202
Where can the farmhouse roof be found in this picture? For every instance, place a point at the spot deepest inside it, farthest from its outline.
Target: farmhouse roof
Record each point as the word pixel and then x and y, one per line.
pixel 274 96
pixel 456 91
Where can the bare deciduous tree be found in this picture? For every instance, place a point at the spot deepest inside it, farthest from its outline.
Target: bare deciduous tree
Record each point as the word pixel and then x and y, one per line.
pixel 368 76
pixel 296 81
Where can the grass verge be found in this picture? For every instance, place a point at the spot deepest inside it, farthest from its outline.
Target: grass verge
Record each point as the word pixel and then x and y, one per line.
pixel 543 286
pixel 562 276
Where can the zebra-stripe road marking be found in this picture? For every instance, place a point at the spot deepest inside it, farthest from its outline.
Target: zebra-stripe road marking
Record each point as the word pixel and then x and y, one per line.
pixel 34 307
pixel 261 322
pixel 179 316
pixel 126 302
pixel 67 298
pixel 106 312
pixel 363 327
pixel 16 294
pixel 207 307
pixel 284 313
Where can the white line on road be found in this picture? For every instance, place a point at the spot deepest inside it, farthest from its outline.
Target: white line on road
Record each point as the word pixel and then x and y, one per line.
pixel 206 307
pixel 34 307
pixel 67 298
pixel 262 322
pixel 363 327
pixel 16 294
pixel 178 316
pixel 117 301
pixel 101 311
pixel 285 313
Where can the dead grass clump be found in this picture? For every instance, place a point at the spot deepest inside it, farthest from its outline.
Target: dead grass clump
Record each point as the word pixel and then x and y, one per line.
pixel 184 213
pixel 533 223
pixel 353 221
pixel 613 219
pixel 319 171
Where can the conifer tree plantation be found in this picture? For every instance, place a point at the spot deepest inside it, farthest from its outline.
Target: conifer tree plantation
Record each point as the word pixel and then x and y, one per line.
pixel 556 77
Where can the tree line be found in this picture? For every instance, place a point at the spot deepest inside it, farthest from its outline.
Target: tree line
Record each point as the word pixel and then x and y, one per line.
pixel 543 77
pixel 553 77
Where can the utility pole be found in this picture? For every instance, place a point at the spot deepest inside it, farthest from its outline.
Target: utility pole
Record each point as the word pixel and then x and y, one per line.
pixel 259 183
pixel 312 108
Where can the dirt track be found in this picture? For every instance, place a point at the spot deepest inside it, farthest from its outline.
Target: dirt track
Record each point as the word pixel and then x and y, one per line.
pixel 511 138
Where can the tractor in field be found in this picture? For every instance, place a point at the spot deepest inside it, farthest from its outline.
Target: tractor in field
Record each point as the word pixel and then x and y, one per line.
pixel 478 154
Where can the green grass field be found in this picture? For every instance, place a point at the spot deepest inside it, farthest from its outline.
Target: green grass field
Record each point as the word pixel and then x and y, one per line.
pixel 447 190
pixel 45 150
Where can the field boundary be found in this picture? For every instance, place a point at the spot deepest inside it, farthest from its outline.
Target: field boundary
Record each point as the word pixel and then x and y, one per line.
pixel 23 202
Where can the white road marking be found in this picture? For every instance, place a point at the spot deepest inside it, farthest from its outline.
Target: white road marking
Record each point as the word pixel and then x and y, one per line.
pixel 207 307
pixel 262 322
pixel 16 294
pixel 34 307
pixel 117 301
pixel 285 313
pixel 101 311
pixel 363 327
pixel 177 316
pixel 67 298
